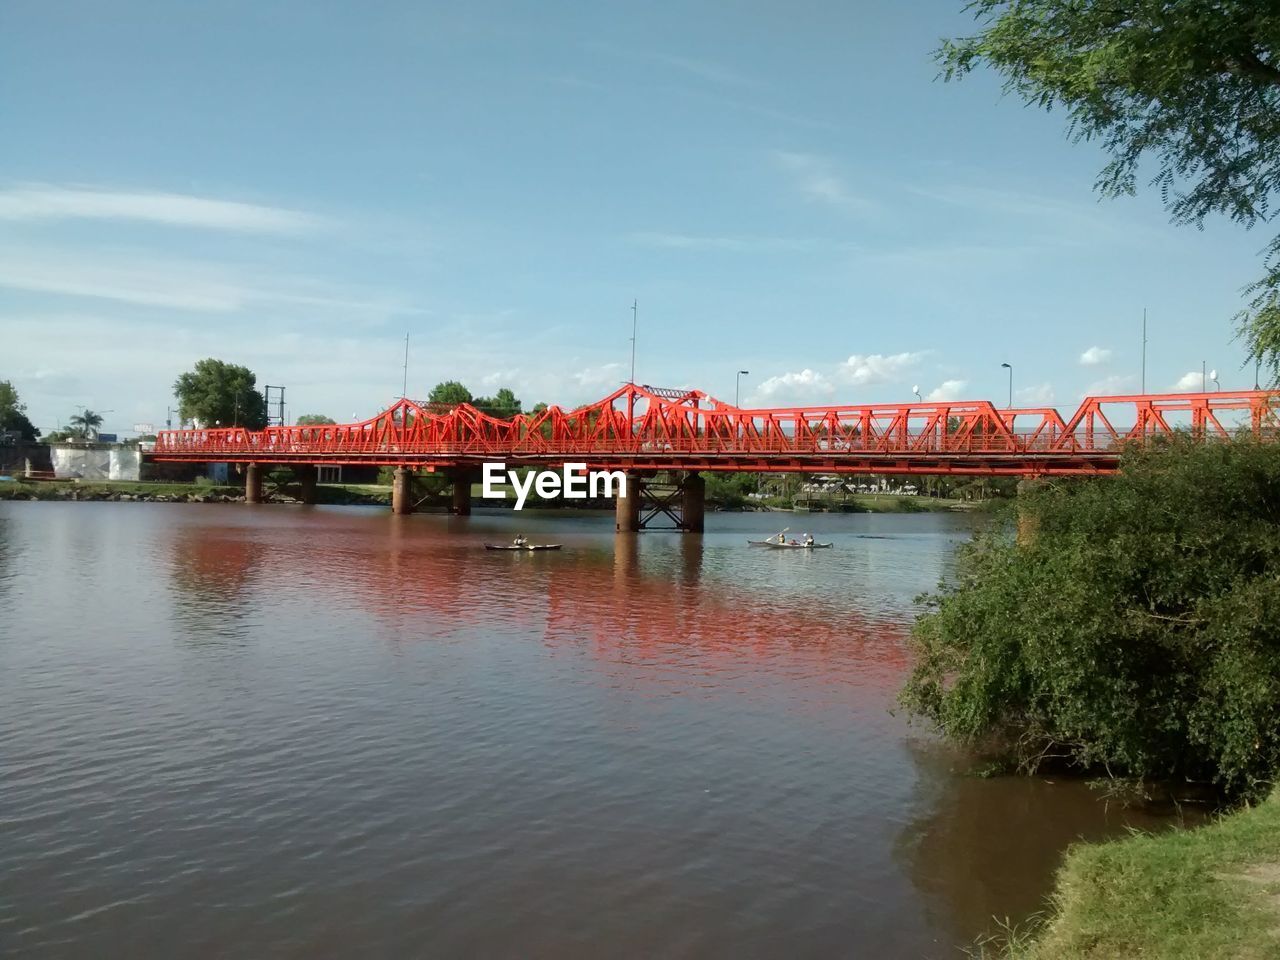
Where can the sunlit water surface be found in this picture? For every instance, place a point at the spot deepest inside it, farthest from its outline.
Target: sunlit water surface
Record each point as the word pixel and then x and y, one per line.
pixel 327 732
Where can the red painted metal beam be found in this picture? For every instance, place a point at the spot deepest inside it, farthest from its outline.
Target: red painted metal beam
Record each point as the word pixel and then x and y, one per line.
pixel 643 428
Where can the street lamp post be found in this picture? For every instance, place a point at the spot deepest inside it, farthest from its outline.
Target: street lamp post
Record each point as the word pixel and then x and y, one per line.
pixel 916 391
pixel 1213 378
pixel 1009 367
pixel 737 381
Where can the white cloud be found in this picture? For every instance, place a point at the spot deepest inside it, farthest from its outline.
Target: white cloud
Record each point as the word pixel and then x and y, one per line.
pixel 46 202
pixel 729 243
pixel 947 390
pixel 499 378
pixel 877 368
pixel 605 375
pixel 1117 385
pixel 802 385
pixel 1036 396
pixel 151 280
pixel 142 280
pixel 1094 356
pixel 818 180
pixel 705 70
pixel 1192 380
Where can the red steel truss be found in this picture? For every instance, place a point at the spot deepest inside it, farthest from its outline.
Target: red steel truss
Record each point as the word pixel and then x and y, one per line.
pixel 646 428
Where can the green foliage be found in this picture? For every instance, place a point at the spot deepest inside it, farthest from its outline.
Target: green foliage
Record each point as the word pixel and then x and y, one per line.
pixel 450 392
pixel 85 424
pixel 1138 631
pixel 504 404
pixel 1189 87
pixel 730 489
pixel 216 392
pixel 315 420
pixel 13 413
pixel 60 436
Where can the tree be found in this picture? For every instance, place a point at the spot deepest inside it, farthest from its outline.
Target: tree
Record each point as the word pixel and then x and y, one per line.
pixel 13 414
pixel 1135 630
pixel 450 392
pixel 315 420
pixel 216 392
pixel 1191 85
pixel 504 404
pixel 85 424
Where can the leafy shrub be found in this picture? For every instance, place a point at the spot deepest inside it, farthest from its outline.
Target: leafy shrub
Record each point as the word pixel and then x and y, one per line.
pixel 1138 631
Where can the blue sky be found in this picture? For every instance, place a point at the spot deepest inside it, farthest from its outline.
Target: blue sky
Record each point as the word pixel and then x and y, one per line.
pixel 784 188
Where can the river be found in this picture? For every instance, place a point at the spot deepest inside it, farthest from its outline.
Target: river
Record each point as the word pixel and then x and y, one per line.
pixel 231 731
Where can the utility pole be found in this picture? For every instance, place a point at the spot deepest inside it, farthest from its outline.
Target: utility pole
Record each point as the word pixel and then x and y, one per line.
pixel 1144 350
pixel 1204 382
pixel 404 387
pixel 635 309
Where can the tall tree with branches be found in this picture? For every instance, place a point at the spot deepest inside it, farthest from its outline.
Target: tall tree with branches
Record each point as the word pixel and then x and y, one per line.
pixel 1189 89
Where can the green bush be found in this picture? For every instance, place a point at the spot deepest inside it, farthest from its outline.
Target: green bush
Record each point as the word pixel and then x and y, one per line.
pixel 1137 632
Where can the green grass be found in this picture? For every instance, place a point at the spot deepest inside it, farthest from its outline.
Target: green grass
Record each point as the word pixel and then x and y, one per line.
pixel 1212 892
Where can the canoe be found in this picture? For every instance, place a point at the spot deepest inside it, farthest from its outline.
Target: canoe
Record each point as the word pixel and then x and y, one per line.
pixel 527 546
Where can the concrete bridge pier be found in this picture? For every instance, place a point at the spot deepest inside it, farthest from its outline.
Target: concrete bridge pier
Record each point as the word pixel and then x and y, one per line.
pixel 460 504
pixel 627 506
pixel 693 500
pixel 402 490
pixel 307 474
pixel 253 483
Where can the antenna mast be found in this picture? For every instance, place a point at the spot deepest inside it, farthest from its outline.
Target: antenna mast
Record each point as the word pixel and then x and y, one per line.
pixel 1144 350
pixel 635 304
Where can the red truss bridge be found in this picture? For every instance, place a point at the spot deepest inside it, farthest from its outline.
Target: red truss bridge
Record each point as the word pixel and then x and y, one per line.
pixel 644 429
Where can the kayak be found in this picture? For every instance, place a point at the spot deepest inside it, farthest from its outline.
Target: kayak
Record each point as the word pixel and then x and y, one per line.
pixel 527 546
pixel 797 546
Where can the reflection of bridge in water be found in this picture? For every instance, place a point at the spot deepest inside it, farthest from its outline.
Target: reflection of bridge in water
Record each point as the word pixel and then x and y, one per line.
pixel 640 430
pixel 607 603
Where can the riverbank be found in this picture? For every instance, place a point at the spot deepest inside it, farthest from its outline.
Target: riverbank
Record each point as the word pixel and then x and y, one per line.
pixel 880 503
pixel 1209 892
pixel 120 490
pixel 350 494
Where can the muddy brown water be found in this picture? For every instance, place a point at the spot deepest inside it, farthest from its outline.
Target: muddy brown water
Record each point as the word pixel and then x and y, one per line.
pixel 309 732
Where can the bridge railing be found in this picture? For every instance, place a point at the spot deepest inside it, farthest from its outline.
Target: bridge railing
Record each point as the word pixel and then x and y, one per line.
pixel 660 428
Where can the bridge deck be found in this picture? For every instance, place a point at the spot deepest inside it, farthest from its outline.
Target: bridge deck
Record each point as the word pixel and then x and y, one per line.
pixel 642 428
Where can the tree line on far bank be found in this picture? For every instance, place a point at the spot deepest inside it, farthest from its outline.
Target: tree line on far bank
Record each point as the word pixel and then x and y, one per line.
pixel 14 423
pixel 217 393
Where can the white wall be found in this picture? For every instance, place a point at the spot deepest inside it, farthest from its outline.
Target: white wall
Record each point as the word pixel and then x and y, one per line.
pixel 96 461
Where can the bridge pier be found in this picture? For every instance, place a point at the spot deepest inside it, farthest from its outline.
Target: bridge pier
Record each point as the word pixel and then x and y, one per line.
pixel 627 506
pixel 460 505
pixel 253 483
pixel 402 490
pixel 307 473
pixel 693 500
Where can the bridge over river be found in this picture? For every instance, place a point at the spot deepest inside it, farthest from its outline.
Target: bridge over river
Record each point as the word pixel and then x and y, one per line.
pixel 642 430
